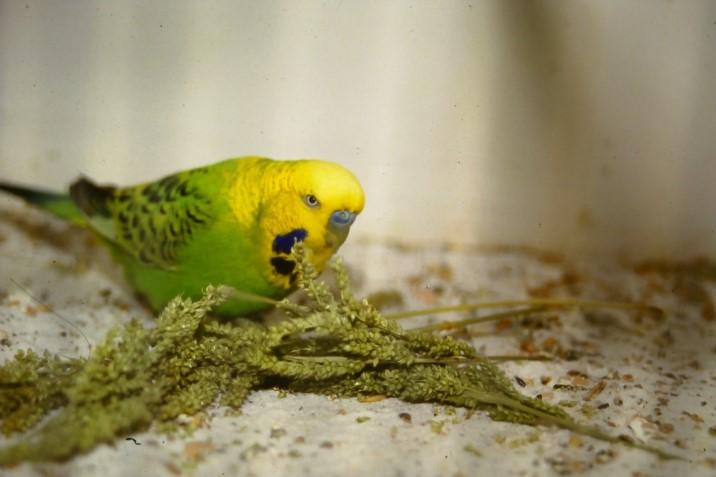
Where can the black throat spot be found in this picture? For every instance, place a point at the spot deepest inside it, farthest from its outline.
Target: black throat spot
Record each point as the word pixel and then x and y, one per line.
pixel 283 266
pixel 284 243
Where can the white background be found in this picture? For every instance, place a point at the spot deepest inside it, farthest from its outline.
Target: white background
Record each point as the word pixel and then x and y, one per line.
pixel 580 126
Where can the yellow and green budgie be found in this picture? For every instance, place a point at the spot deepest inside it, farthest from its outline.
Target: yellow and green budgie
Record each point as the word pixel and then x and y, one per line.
pixel 232 223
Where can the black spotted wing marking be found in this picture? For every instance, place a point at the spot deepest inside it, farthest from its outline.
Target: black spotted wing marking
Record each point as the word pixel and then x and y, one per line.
pixel 150 221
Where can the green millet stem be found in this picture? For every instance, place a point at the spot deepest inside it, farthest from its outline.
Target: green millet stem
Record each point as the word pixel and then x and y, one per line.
pixel 480 359
pixel 548 302
pixel 514 357
pixel 337 345
pixel 253 297
pixel 445 361
pixel 460 324
pixel 565 423
pixel 315 359
pixel 62 318
pixel 295 308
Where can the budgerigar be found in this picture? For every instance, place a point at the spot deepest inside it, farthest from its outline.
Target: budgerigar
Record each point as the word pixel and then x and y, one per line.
pixel 232 223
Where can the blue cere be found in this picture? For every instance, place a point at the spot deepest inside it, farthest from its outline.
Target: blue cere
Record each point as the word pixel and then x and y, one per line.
pixel 342 218
pixel 284 243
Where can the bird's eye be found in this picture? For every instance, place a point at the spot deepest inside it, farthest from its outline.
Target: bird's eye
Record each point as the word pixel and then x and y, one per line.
pixel 311 201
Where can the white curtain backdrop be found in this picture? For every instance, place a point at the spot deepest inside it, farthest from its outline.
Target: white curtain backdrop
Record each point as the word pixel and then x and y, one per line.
pixel 586 127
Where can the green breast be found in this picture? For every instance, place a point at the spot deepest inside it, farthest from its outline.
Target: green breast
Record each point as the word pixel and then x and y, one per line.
pixel 222 254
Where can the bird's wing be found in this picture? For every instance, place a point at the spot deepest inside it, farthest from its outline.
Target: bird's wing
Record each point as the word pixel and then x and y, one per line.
pixel 149 221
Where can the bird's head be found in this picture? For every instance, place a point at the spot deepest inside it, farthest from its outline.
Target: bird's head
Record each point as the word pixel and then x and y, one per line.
pixel 315 202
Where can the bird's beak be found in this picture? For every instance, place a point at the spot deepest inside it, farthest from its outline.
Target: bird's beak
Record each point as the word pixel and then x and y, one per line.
pixel 338 226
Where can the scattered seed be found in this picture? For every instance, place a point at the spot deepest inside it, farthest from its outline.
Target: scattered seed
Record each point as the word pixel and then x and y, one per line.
pixel 372 398
pixel 694 417
pixel 604 455
pixel 196 450
pixel 666 427
pixel 472 450
pixel 596 390
pixel 437 426
pixel 406 417
pixel 680 444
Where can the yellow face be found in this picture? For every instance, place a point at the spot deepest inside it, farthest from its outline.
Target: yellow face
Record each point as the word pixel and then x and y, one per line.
pixel 311 201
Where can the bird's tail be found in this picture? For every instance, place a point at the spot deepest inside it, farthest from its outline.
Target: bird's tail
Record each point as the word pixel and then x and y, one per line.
pixel 60 205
